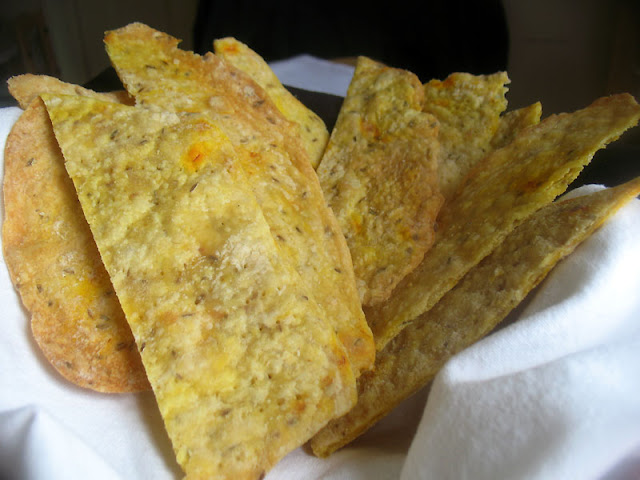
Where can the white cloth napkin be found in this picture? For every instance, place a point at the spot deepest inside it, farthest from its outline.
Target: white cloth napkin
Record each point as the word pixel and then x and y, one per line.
pixel 554 395
pixel 315 74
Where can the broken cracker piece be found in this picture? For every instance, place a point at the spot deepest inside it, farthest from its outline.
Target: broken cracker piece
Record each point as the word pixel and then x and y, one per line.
pixel 468 108
pixel 512 122
pixel 503 190
pixel 379 175
pixel 27 87
pixel 312 129
pixel 76 319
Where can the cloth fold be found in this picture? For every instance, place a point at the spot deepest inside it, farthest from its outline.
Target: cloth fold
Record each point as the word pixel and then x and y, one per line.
pixel 554 394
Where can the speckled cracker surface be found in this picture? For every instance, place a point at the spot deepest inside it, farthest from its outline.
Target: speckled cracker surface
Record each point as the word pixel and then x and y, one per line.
pixel 473 308
pixel 156 72
pixel 312 129
pixel 512 122
pixel 243 364
pixel 509 185
pixel 468 108
pixel 26 88
pixel 379 174
pixel 54 264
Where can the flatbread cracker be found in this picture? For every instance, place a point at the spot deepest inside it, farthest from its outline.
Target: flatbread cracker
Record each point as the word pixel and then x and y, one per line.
pixel 511 123
pixel 473 308
pixel 156 72
pixel 505 188
pixel 243 364
pixel 468 108
pixel 27 87
pixel 54 264
pixel 312 129
pixel 379 175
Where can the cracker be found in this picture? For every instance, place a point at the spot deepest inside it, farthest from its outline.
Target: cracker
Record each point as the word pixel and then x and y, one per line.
pixel 243 364
pixel 27 87
pixel 379 175
pixel 511 123
pixel 54 264
pixel 483 298
pixel 468 108
pixel 156 72
pixel 312 129
pixel 506 187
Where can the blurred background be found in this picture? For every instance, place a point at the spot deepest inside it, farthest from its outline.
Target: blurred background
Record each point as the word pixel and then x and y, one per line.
pixel 564 53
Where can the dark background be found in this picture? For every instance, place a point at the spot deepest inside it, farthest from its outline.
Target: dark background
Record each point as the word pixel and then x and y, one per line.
pixel 565 53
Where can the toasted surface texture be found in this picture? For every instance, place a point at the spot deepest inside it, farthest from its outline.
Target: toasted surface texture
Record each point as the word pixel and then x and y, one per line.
pixel 243 364
pixel 76 319
pixel 312 129
pixel 468 108
pixel 26 88
pixel 473 308
pixel 156 72
pixel 512 122
pixel 379 174
pixel 505 188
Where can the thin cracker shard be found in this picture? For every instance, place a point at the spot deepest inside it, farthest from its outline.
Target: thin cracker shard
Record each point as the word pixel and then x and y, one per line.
pixel 379 175
pixel 76 319
pixel 483 298
pixel 282 177
pixel 311 127
pixel 513 122
pixel 468 108
pixel 504 189
pixel 243 367
pixel 27 87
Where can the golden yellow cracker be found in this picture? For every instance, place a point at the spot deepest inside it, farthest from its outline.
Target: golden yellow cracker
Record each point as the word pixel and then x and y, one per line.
pixel 156 72
pixel 379 175
pixel 473 308
pixel 52 259
pixel 508 185
pixel 27 87
pixel 468 108
pixel 312 129
pixel 243 365
pixel 511 123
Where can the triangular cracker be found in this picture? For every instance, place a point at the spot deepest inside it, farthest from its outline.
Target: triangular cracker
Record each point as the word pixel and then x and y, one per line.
pixel 53 261
pixel 312 129
pixel 157 72
pixel 503 189
pixel 243 365
pixel 379 174
pixel 27 87
pixel 468 108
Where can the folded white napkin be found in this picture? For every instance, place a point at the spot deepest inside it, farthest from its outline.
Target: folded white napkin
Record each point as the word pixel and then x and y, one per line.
pixel 315 74
pixel 556 394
